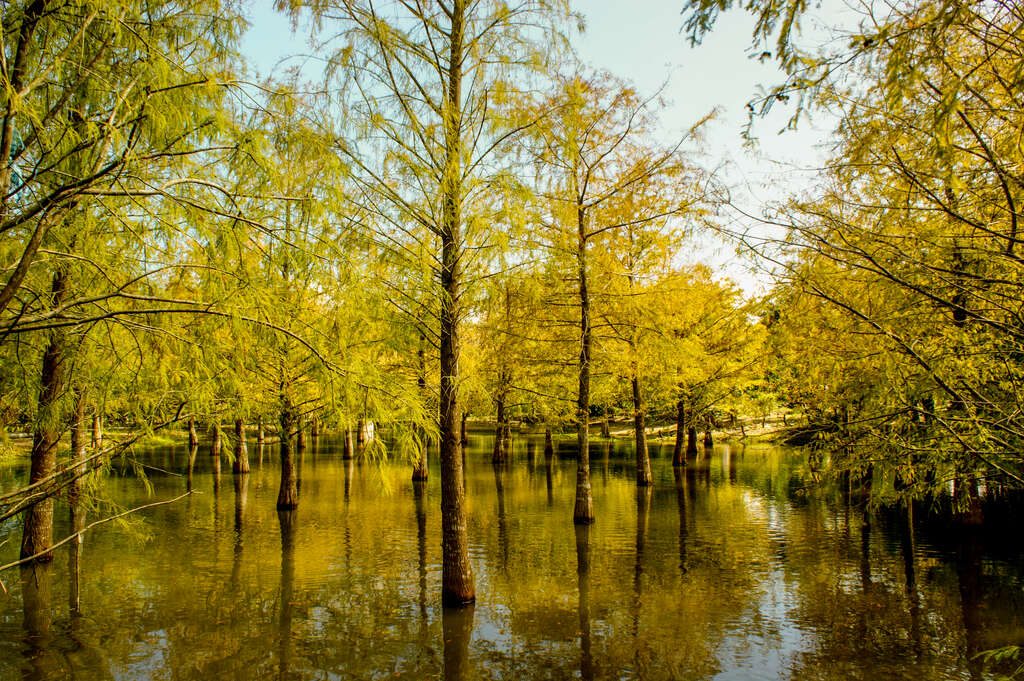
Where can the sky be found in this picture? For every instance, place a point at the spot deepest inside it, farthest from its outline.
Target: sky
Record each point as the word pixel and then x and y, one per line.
pixel 642 41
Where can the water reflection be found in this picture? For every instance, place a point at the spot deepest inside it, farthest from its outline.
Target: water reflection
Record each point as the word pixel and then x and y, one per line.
pixel 745 575
pixel 457 630
pixel 583 601
pixel 288 521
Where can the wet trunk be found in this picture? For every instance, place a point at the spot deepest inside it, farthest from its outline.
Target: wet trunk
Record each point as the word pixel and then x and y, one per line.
pixel 643 459
pixel 677 452
pixel 583 511
pixel 241 464
pixel 261 436
pixel 193 436
pixel 457 582
pixel 288 494
pixel 314 427
pixel 37 535
pixel 549 447
pixel 709 441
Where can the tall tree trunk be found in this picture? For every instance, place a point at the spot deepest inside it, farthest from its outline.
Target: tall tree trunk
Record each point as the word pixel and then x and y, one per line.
pixel 241 464
pixel 583 511
pixel 75 507
pixel 193 436
pixel 677 452
pixel 643 459
pixel 314 426
pixel 288 494
pixel 37 535
pixel 457 582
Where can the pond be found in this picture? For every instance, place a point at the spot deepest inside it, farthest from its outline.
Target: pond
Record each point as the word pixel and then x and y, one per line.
pixel 734 569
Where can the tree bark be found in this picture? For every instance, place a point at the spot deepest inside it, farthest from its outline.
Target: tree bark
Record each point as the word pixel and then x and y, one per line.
pixel 643 459
pixel 193 436
pixel 241 464
pixel 583 511
pixel 709 441
pixel 457 582
pixel 300 436
pixel 261 435
pixel 37 534
pixel 549 446
pixel 691 441
pixel 288 494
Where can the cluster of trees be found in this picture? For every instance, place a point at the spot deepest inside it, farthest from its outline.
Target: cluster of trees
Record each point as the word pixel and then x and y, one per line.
pixel 896 319
pixel 457 217
pixel 454 217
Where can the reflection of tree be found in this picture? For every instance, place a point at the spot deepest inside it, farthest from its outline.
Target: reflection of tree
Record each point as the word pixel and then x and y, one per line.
pixel 583 581
pixel 42 661
pixel 288 522
pixel 457 630
pixel 499 489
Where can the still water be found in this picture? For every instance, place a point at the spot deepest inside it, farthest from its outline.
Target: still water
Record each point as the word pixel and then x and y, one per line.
pixel 731 570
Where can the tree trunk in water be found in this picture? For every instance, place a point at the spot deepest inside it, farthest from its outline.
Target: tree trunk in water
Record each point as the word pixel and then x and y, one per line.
pixel 464 436
pixel 347 451
pixel 583 511
pixel 97 431
pixel 606 426
pixel 261 435
pixel 314 427
pixel 691 442
pixel 456 632
pixel 500 455
pixel 709 441
pixel 215 443
pixel 420 472
pixel 677 452
pixel 241 464
pixel 361 433
pixel 192 453
pixel 643 460
pixel 37 535
pixel 193 436
pixel 549 446
pixel 288 494
pixel 288 521
pixel 457 582
pixel 75 508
